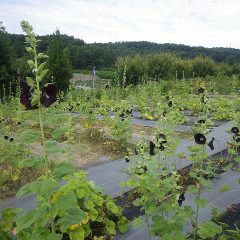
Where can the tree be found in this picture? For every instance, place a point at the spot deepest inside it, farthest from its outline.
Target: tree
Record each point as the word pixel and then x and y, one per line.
pixel 6 54
pixel 58 63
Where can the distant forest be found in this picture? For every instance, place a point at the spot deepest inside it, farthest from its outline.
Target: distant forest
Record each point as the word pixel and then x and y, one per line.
pixel 104 55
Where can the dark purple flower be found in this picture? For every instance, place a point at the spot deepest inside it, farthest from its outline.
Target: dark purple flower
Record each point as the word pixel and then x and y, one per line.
pixel 161 147
pixel 201 121
pixel 181 199
pixel 11 139
pixel 47 98
pixel 6 137
pixel 201 90
pixel 152 147
pixel 235 130
pixel 200 138
pixel 26 95
pixel 49 95
pixel 127 159
pixel 210 144
pixel 170 103
pixel 161 138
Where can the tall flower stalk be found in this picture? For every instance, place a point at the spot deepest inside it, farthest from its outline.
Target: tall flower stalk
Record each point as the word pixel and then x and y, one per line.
pixel 39 72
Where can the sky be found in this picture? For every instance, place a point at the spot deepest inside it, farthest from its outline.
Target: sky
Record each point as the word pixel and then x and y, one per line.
pixel 208 23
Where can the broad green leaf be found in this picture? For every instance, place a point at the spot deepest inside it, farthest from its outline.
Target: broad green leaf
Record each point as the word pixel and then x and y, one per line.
pixel 138 222
pixel 66 201
pixel 59 131
pixel 30 82
pixel 32 162
pixel 112 207
pixel 27 219
pixel 42 55
pixel 110 227
pixel 29 136
pixel 63 169
pixel 208 229
pixel 71 216
pixel 53 147
pixel 122 225
pixel 79 234
pixel 30 63
pixel 42 74
pixel 54 236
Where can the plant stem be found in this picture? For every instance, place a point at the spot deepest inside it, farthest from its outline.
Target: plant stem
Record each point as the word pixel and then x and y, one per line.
pixel 43 138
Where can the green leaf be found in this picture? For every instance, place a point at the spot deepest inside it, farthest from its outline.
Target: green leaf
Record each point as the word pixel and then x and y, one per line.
pixel 42 55
pixel 29 136
pixel 29 49
pixel 27 219
pixel 31 63
pixel 54 236
pixel 63 169
pixel 41 66
pixel 208 229
pixel 30 82
pixel 79 234
pixel 112 207
pixel 71 216
pixel 59 131
pixel 66 201
pixel 110 227
pixel 32 162
pixel 225 188
pixel 42 74
pixel 138 222
pixel 52 147
pixel 122 225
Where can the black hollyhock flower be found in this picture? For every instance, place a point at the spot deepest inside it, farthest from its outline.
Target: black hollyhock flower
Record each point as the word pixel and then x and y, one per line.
pixel 161 138
pixel 210 144
pixel 145 168
pixel 19 123
pixel 6 137
pixel 49 95
pixel 161 147
pixel 181 199
pixel 25 95
pixel 127 159
pixel 11 139
pixel 152 147
pixel 170 103
pixel 235 130
pixel 129 112
pixel 201 121
pixel 200 138
pixel 122 119
pixel 201 90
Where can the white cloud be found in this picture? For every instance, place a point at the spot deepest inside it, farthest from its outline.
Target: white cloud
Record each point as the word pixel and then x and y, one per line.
pixel 193 22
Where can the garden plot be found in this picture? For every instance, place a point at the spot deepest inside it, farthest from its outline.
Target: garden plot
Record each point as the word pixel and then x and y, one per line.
pixel 110 174
pixel 216 199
